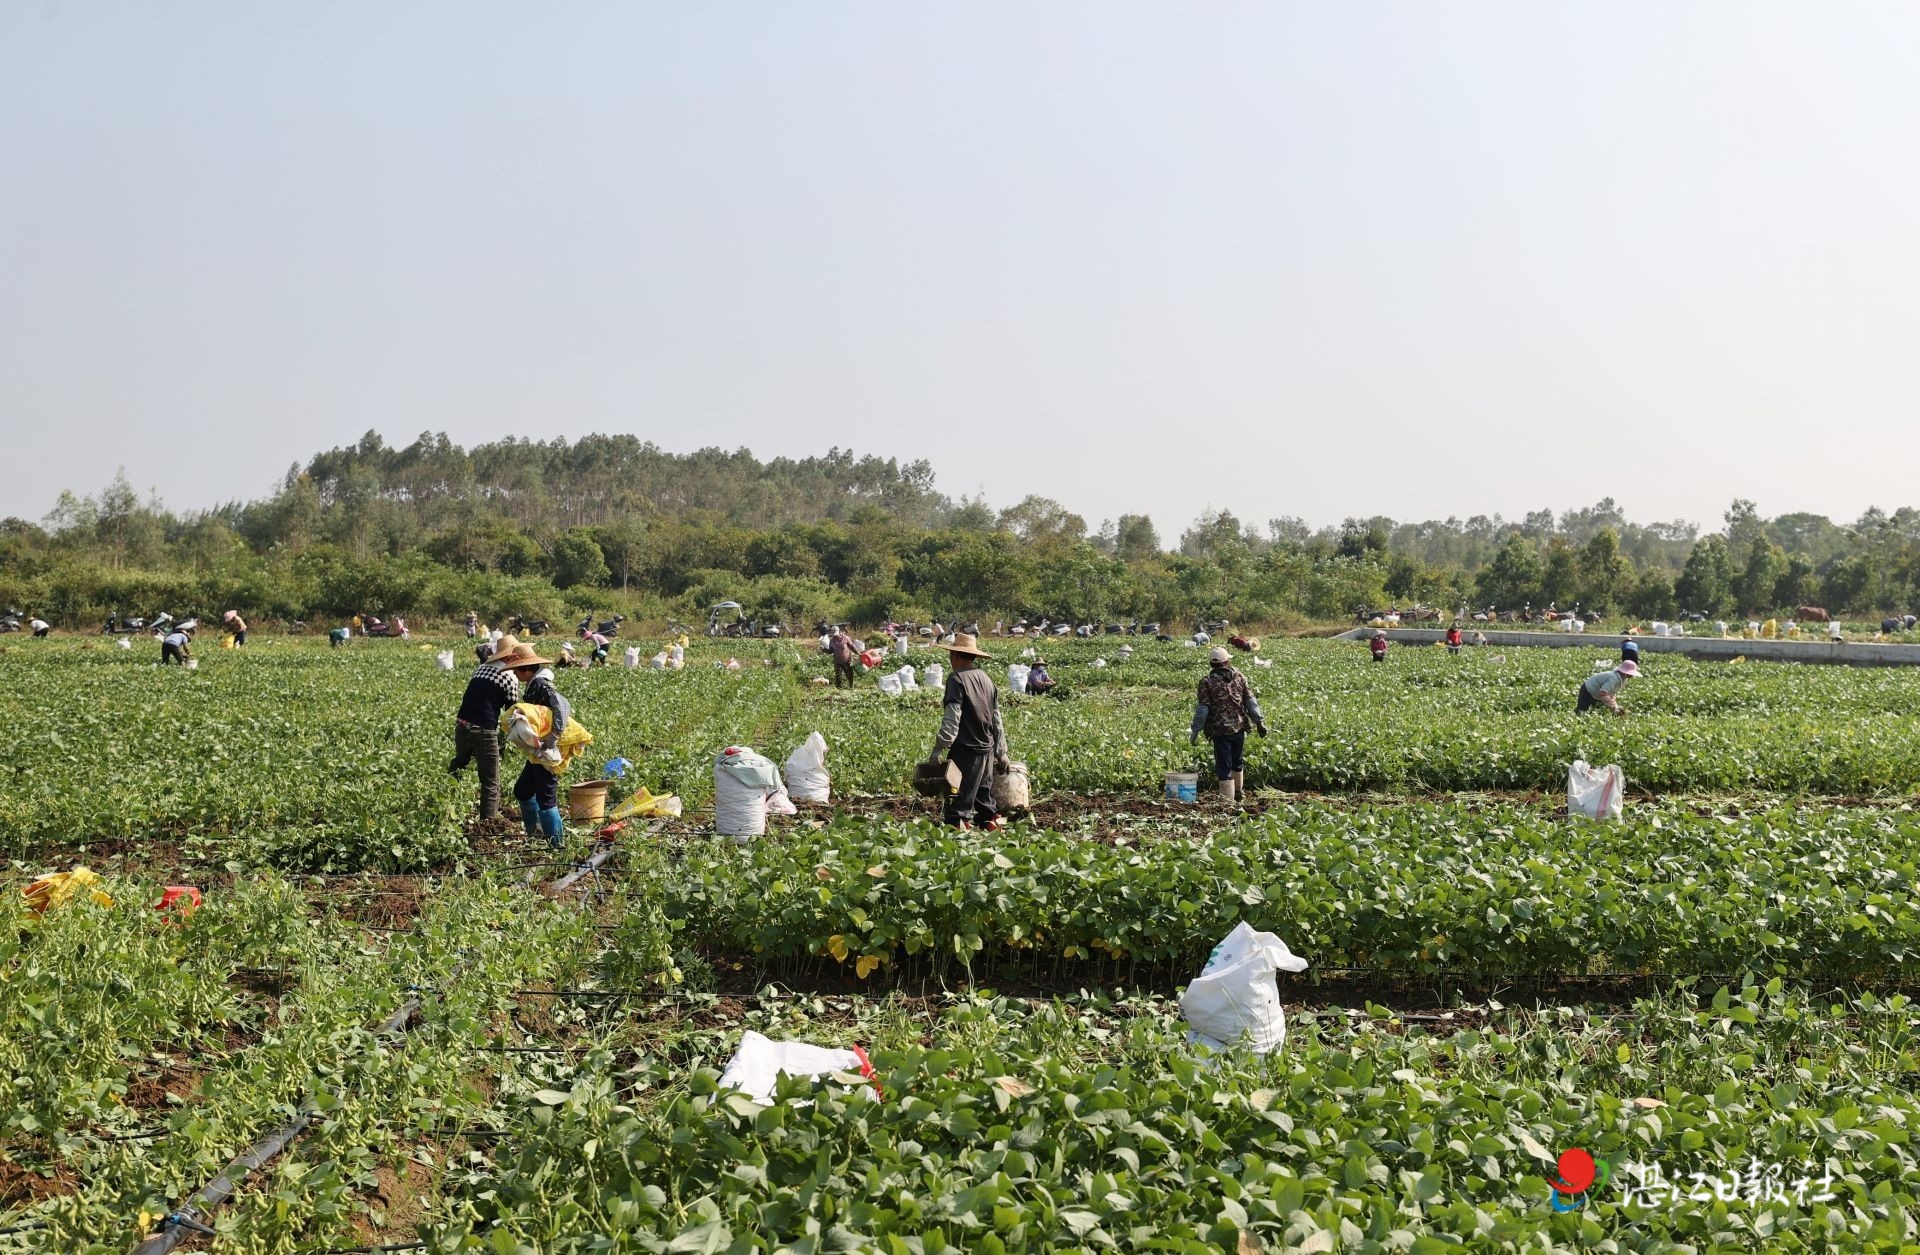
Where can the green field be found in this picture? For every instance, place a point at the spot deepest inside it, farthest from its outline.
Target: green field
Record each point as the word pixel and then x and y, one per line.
pixel 1711 986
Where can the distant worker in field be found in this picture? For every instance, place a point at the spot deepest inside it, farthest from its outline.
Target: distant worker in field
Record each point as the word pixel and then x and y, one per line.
pixel 1224 709
pixel 1453 639
pixel 338 637
pixel 1629 650
pixel 40 628
pixel 473 624
pixel 237 626
pixel 176 646
pixel 476 728
pixel 1603 688
pixel 1378 644
pixel 972 735
pixel 1038 681
pixel 840 648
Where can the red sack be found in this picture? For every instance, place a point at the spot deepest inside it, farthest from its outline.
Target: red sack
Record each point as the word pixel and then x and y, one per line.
pixel 179 901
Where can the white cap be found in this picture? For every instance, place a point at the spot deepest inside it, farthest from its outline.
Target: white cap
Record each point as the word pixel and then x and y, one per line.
pixel 1219 654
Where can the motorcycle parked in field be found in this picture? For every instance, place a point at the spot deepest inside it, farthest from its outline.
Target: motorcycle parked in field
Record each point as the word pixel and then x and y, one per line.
pixel 519 626
pixel 606 627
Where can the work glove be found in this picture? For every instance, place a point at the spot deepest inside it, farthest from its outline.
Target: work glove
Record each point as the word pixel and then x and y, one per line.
pixel 1261 728
pixel 1193 738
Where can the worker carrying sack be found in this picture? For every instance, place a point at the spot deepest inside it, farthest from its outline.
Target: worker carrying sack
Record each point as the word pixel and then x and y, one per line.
pixel 807 779
pixel 1595 792
pixel 526 725
pixel 1236 998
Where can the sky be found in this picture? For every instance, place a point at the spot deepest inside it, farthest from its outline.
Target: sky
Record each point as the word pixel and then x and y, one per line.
pixel 1316 260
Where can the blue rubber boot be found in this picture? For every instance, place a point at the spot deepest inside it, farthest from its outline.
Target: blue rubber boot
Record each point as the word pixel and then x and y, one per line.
pixel 530 817
pixel 556 826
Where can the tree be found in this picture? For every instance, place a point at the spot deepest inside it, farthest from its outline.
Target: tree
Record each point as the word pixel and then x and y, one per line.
pixel 623 543
pixel 1512 579
pixel 1134 538
pixel 577 560
pixel 1652 595
pixel 1754 588
pixel 1706 585
pixel 1602 572
pixel 1043 520
pixel 1744 526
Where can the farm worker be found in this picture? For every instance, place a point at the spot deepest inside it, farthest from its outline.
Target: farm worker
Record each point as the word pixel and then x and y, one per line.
pixel 1224 709
pixel 338 637
pixel 476 729
pixel 599 646
pixel 1453 639
pixel 237 626
pixel 1630 650
pixel 971 732
pixel 473 624
pixel 1600 689
pixel 538 788
pixel 1038 681
pixel 40 627
pixel 176 646
pixel 1379 644
pixel 840 647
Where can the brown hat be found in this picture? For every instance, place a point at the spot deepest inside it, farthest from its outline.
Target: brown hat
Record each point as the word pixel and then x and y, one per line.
pixel 520 656
pixel 508 643
pixel 963 643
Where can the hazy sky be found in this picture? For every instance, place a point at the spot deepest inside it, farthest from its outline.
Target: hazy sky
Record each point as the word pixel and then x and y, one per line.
pixel 1314 259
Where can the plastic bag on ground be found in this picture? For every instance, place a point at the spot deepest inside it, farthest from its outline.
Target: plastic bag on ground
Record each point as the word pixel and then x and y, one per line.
pixel 1017 677
pixel 935 677
pixel 781 803
pixel 1235 998
pixel 807 779
pixel 742 782
pixel 646 805
pixel 906 675
pixel 758 1064
pixel 630 657
pixel 445 659
pixel 1595 792
pixel 58 888
pixel 890 684
pixel 659 662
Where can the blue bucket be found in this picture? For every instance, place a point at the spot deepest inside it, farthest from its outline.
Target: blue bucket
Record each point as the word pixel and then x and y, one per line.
pixel 1183 786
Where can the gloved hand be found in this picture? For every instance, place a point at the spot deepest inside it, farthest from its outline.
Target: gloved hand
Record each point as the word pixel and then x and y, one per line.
pixel 1193 738
pixel 1001 764
pixel 1261 728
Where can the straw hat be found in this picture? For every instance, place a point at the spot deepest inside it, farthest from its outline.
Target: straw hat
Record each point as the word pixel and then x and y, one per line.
pixel 963 643
pixel 519 656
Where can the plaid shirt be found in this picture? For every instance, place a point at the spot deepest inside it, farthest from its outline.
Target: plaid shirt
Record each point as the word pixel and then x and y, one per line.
pixel 491 690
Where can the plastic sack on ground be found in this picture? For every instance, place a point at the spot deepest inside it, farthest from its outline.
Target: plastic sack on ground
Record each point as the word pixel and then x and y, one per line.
pixel 645 805
pixel 906 675
pixel 935 677
pixel 807 779
pixel 1235 998
pixel 1595 792
pixel 526 724
pixel 1017 674
pixel 742 782
pixel 677 657
pixel 757 1066
pixel 444 659
pixel 59 888
pixel 630 657
pixel 781 803
pixel 659 662
pixel 890 684
pixel 1010 790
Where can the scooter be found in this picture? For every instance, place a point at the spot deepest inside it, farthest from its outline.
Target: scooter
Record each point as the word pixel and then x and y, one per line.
pixel 523 627
pixel 10 621
pixel 606 627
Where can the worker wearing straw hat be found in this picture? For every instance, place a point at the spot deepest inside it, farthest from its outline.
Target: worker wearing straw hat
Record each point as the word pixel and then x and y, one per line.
pixel 476 729
pixel 972 735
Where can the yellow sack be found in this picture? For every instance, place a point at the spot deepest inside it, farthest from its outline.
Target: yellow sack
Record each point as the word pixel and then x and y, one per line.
pixel 644 805
pixel 526 724
pixel 226 642
pixel 58 888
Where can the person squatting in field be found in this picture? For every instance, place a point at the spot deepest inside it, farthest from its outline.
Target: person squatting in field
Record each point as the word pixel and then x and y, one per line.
pixel 476 729
pixel 972 735
pixel 1601 689
pixel 1224 709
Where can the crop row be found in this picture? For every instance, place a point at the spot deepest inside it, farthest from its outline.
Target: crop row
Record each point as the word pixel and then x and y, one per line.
pixel 1410 889
pixel 1059 1128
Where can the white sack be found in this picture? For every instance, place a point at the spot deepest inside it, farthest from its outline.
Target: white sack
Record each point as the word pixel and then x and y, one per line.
pixel 1017 677
pixel 630 656
pixel 807 779
pixel 444 659
pixel 906 675
pixel 742 783
pixel 935 677
pixel 890 684
pixel 1235 997
pixel 758 1064
pixel 1595 792
pixel 1010 791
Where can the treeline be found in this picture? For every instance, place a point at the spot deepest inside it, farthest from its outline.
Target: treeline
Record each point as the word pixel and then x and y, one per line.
pixel 613 523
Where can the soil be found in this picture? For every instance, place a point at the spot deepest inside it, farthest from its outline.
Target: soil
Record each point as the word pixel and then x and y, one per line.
pixel 384 901
pixel 21 1186
pixel 403 1196
pixel 151 1092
